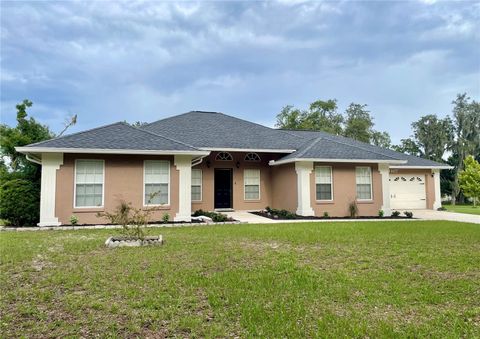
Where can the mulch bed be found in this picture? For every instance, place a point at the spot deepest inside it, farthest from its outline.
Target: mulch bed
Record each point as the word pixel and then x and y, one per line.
pixel 297 217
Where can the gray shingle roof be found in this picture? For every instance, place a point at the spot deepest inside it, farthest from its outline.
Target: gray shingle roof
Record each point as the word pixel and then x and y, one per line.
pixel 119 135
pixel 324 148
pixel 218 130
pixel 411 160
pixel 193 131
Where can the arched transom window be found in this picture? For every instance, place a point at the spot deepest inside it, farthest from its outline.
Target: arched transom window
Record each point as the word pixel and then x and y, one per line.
pixel 224 156
pixel 252 157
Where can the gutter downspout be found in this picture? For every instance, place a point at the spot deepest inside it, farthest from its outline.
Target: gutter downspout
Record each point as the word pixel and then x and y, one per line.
pixel 198 161
pixel 33 159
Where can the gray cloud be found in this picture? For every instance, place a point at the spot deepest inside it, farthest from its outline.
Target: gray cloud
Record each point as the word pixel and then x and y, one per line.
pixel 111 61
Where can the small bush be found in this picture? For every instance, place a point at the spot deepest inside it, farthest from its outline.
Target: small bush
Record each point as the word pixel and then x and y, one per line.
pixel 381 213
pixel 353 209
pixel 395 214
pixel 268 209
pixel 19 202
pixel 408 214
pixel 216 217
pixel 441 209
pixel 165 218
pixel 326 215
pixel 73 220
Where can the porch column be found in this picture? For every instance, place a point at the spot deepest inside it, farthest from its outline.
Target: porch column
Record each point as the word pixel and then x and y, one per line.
pixel 303 170
pixel 51 162
pixel 384 170
pixel 437 203
pixel 183 163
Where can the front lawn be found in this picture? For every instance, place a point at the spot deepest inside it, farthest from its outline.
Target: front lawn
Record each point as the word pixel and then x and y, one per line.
pixel 469 209
pixel 377 279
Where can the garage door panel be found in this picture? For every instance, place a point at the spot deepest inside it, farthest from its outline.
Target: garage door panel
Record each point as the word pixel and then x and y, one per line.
pixel 407 191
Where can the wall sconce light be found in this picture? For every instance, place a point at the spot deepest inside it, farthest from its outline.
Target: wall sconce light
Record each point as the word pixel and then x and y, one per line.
pixel 208 163
pixel 238 164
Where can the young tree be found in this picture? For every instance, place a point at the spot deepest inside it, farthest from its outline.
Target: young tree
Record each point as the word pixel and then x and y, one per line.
pixel 469 179
pixel 466 116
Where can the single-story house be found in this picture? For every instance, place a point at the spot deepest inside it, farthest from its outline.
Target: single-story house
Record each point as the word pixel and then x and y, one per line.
pixel 213 161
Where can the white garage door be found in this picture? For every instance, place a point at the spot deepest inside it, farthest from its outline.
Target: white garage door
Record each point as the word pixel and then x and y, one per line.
pixel 407 191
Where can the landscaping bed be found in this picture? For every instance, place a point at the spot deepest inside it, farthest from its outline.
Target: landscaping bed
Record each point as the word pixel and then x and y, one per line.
pixel 286 215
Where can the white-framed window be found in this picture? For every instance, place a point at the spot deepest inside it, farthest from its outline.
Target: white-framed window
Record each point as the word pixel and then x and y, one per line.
pixel 364 183
pixel 251 182
pixel 156 180
pixel 196 185
pixel 224 156
pixel 324 183
pixel 252 157
pixel 89 183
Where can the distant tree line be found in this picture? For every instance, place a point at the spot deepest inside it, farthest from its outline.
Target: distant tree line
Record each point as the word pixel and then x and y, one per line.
pixel 451 139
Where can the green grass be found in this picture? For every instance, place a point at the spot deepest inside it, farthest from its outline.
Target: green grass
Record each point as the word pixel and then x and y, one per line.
pixel 379 279
pixel 469 209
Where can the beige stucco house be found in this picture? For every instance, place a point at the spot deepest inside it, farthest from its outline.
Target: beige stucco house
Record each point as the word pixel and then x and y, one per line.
pixel 212 161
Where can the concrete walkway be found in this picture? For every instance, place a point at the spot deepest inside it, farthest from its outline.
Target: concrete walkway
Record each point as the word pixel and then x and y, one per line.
pixel 246 217
pixel 444 215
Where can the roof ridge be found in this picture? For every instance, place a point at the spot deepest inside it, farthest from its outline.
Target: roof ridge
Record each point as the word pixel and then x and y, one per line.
pixel 313 143
pixel 159 135
pixel 78 133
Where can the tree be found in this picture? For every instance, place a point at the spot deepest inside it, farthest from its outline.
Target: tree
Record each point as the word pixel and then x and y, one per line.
pixel 289 118
pixel 433 136
pixel 469 179
pixel 466 116
pixel 358 123
pixel 408 146
pixel 20 178
pixel 381 139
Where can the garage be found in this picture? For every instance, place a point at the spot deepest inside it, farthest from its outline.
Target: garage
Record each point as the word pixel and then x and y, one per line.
pixel 407 191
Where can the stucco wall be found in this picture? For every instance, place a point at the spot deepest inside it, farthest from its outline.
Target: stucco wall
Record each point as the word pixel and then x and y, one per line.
pixel 284 187
pixel 123 179
pixel 429 182
pixel 208 166
pixel 344 191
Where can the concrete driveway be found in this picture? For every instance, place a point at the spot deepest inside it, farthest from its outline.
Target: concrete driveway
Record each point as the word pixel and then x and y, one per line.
pixel 444 215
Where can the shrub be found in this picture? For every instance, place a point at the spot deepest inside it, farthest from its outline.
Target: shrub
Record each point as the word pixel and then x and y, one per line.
pixel 353 209
pixel 133 220
pixel 73 220
pixel 19 203
pixel 216 217
pixel 395 214
pixel 381 213
pixel 441 209
pixel 165 218
pixel 268 209
pixel 408 214
pixel 326 215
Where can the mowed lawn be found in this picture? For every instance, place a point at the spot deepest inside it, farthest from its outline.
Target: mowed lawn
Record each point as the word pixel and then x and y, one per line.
pixel 469 209
pixel 377 279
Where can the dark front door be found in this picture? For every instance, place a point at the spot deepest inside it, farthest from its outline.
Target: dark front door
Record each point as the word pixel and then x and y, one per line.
pixel 223 188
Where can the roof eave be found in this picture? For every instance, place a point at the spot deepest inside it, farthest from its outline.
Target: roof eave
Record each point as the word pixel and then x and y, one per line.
pixel 423 167
pixel 378 161
pixel 258 150
pixel 29 150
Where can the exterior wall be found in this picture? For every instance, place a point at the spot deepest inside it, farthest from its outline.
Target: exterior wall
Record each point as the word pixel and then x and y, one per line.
pixel 429 182
pixel 208 166
pixel 344 191
pixel 284 187
pixel 123 180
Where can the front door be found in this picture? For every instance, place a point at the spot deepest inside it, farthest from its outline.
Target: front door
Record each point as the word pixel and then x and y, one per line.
pixel 223 188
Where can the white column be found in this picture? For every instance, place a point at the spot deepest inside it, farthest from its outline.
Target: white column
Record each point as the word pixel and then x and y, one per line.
pixel 437 203
pixel 303 170
pixel 183 163
pixel 384 170
pixel 51 162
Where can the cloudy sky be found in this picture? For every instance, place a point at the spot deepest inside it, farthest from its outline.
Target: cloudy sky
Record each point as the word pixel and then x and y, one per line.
pixel 108 61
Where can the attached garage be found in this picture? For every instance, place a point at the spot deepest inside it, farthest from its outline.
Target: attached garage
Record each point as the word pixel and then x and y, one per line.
pixel 407 191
